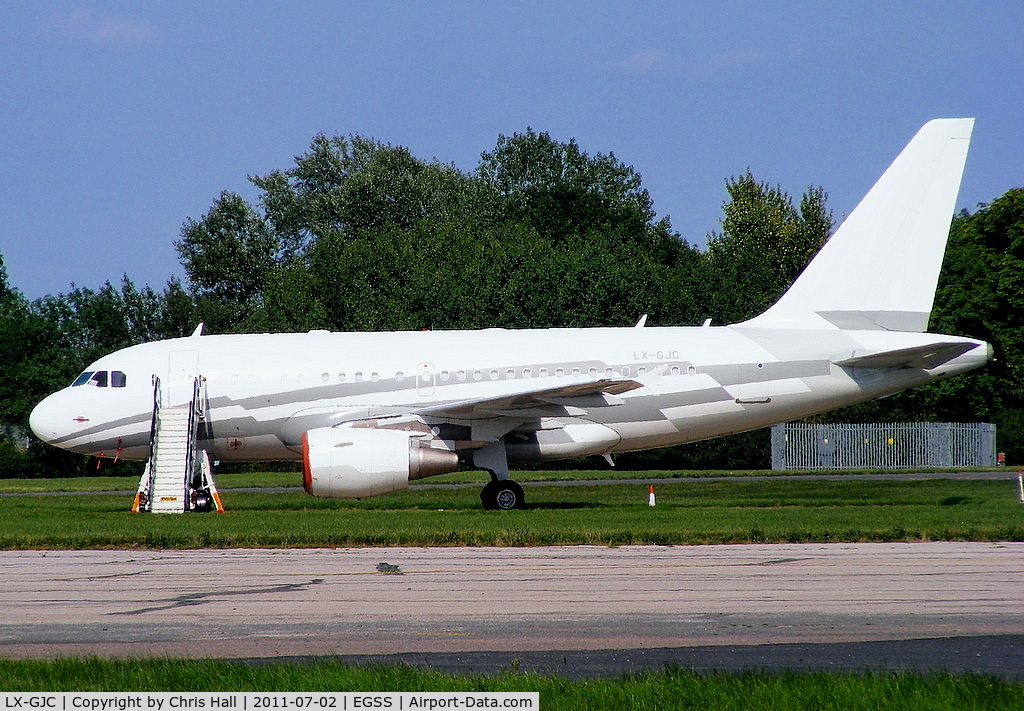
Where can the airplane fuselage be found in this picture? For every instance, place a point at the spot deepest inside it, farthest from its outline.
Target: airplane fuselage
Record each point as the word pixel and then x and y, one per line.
pixel 261 392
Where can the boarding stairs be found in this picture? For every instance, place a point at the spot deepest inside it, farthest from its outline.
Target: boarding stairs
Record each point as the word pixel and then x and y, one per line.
pixel 178 477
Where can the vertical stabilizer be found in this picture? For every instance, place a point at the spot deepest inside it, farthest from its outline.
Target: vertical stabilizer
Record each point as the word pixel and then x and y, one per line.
pixel 880 268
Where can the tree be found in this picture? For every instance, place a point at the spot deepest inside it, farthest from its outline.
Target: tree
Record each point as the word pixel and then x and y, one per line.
pixel 250 269
pixel 559 189
pixel 613 259
pixel 21 336
pixel 349 185
pixel 227 255
pixel 764 244
pixel 362 235
pixel 35 354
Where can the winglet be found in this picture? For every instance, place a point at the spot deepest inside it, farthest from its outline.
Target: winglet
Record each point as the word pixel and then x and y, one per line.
pixel 198 332
pixel 880 268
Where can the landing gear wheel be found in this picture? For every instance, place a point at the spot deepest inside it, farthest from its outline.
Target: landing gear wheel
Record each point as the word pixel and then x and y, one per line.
pixel 502 496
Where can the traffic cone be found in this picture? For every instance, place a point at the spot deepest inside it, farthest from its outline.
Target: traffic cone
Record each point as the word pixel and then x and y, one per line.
pixel 650 495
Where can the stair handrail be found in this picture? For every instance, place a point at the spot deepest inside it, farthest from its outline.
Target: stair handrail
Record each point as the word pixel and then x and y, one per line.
pixel 195 412
pixel 199 397
pixel 153 427
pixel 157 401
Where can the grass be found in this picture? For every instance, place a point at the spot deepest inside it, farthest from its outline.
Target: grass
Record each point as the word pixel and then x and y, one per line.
pixel 266 480
pixel 688 512
pixel 669 688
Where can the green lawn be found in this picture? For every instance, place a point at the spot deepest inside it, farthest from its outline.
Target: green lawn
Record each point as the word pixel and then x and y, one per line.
pixel 688 512
pixel 668 689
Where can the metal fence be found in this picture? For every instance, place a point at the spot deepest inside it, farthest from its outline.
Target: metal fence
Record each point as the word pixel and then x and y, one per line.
pixel 900 445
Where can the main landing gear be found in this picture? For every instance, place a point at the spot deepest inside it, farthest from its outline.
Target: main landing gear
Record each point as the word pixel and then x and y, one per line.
pixel 502 495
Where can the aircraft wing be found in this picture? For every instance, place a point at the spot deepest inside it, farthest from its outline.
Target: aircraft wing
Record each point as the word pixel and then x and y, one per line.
pixel 573 399
pixel 927 356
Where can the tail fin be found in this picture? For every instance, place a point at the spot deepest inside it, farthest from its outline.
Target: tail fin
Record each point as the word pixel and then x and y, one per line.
pixel 880 268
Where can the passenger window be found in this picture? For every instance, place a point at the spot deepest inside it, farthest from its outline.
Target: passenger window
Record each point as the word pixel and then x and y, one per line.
pixel 117 379
pixel 82 379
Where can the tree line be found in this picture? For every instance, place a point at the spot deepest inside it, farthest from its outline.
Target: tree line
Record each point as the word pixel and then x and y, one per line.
pixel 362 235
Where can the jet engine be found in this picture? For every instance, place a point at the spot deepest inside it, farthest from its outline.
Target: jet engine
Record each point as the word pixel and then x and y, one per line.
pixel 350 463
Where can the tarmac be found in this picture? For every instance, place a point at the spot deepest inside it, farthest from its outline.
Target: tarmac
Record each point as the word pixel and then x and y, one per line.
pixel 578 611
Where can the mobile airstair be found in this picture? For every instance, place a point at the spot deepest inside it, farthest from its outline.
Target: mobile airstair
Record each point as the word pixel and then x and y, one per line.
pixel 178 477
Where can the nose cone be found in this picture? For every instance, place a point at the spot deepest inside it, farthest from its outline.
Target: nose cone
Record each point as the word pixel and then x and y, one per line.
pixel 50 419
pixel 68 420
pixel 95 421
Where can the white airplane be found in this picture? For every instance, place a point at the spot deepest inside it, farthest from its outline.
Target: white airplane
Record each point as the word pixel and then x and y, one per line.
pixel 368 412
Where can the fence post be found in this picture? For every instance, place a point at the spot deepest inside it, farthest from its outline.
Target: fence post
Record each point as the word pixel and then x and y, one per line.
pixel 779 447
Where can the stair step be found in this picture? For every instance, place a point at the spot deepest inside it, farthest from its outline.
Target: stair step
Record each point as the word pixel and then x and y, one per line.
pixel 167 469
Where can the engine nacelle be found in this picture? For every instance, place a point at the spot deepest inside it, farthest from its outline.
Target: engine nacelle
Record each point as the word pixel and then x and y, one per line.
pixel 350 463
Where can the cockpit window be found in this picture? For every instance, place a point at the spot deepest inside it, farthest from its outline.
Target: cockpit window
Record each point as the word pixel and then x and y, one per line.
pixel 101 378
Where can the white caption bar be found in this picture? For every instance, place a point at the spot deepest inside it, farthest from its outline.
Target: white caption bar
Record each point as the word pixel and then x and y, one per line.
pixel 271 701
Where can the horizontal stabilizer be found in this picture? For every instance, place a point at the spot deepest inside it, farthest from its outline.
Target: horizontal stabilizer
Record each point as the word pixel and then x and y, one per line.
pixel 927 357
pixel 543 402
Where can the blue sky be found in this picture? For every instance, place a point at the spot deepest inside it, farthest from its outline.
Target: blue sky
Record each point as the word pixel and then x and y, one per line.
pixel 118 120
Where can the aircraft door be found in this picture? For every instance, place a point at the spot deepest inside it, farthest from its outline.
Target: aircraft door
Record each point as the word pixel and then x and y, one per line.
pixel 425 379
pixel 182 369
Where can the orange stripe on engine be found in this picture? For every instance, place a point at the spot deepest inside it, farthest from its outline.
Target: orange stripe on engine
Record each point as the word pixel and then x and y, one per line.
pixel 307 475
